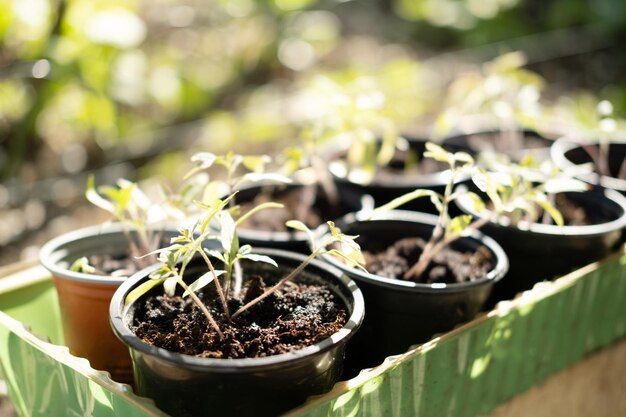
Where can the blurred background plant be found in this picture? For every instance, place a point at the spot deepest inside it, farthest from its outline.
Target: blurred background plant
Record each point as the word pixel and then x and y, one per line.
pixel 130 88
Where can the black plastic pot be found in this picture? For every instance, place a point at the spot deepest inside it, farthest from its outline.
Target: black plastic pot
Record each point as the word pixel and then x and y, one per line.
pixel 295 241
pixel 183 385
pixel 539 252
pixel 402 313
pixel 385 188
pixel 566 153
pixel 475 143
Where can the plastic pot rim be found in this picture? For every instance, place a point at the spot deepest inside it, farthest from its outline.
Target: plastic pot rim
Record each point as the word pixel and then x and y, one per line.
pixel 54 250
pixel 118 313
pixel 494 275
pixel 554 230
pixel 564 144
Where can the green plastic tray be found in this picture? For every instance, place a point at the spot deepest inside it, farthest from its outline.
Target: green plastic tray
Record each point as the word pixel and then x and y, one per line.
pixel 466 372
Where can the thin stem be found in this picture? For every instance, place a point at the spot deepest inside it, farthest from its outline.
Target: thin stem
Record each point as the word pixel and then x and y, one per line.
pixel 546 219
pixel 217 283
pixel 202 307
pixel 430 251
pixel 326 181
pixel 276 287
pixel 238 279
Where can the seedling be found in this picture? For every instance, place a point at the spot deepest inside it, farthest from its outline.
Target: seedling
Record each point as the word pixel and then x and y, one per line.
pixel 605 128
pixel 253 167
pixel 511 193
pixel 503 90
pixel 192 242
pixel 129 206
pixel 356 114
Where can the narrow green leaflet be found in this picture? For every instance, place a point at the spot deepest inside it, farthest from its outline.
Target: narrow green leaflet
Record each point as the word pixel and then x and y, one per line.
pixel 552 211
pixel 458 224
pixel 203 281
pixel 227 230
pixel 256 209
pixel 403 199
pixel 256 163
pixel 437 153
pixel 96 199
pixel 259 258
pixel 82 265
pixel 141 289
pixel 354 259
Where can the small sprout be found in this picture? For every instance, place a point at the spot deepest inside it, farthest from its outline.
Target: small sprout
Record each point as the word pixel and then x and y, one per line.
pixel 514 189
pixel 82 265
pixel 190 243
pixel 254 169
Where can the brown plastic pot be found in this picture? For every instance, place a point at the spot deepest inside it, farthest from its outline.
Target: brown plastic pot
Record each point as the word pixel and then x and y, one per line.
pixel 84 298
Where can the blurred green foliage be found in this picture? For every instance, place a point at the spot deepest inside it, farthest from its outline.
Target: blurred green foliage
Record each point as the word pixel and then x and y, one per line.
pixel 80 77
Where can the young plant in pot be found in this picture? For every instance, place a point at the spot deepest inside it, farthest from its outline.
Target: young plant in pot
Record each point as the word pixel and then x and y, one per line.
pixel 497 106
pixel 575 227
pixel 426 273
pixel 219 328
pixel 597 144
pixel 87 266
pixel 311 198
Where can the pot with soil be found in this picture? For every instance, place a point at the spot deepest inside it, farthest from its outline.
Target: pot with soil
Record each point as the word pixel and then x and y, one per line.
pixel 516 144
pixel 268 359
pixel 84 297
pixel 403 312
pixel 593 224
pixel 306 203
pixel 407 170
pixel 610 169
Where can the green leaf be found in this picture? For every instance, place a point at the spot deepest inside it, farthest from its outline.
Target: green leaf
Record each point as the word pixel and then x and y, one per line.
pixel 437 153
pixel 464 158
pixel 203 281
pixel 204 160
pixel 141 289
pixel 403 199
pixel 216 254
pixel 256 163
pixel 458 224
pixel 297 225
pixel 227 230
pixel 82 265
pixel 478 203
pixel 96 199
pixel 388 147
pixel 556 215
pixel 257 177
pixel 245 249
pixel 256 209
pixel 352 259
pixel 259 258
pixel 169 286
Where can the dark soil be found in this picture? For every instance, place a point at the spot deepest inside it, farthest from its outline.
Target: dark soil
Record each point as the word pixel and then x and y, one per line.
pixel 115 266
pixel 505 142
pixel 448 266
pixel 296 316
pixel 307 204
pixel 573 214
pixel 406 164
